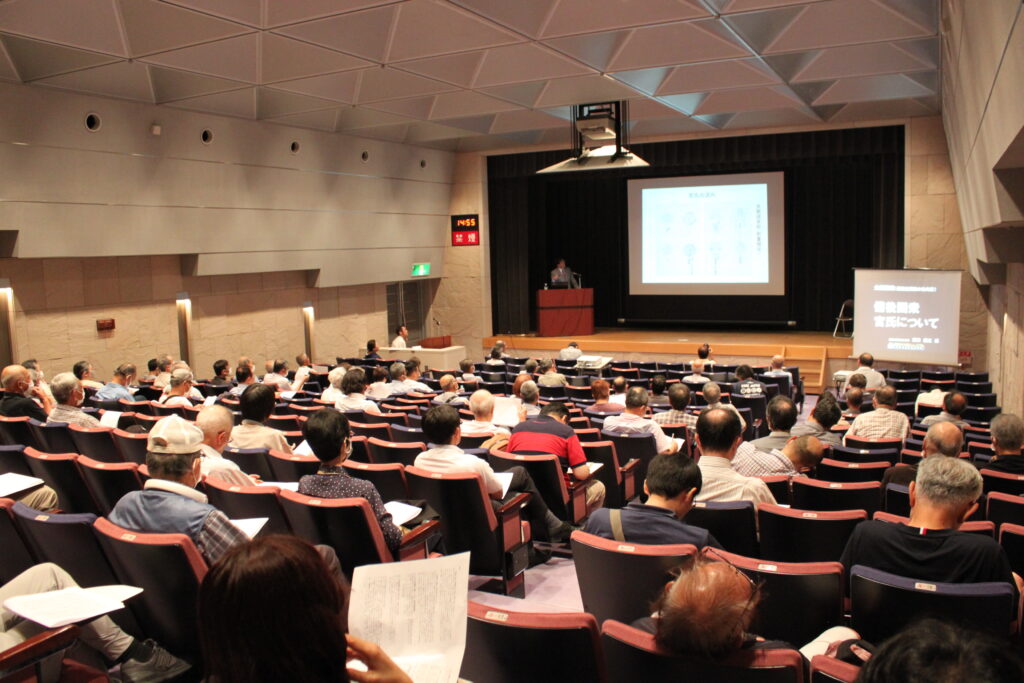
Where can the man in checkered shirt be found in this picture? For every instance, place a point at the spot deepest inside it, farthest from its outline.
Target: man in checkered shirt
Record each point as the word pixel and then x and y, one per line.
pixel 678 398
pixel 884 422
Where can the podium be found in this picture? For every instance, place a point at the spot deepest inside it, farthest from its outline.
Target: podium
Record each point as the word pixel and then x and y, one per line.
pixel 565 312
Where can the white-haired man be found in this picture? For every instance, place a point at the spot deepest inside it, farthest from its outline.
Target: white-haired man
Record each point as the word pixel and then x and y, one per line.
pixel 68 393
pixel 216 423
pixel 481 403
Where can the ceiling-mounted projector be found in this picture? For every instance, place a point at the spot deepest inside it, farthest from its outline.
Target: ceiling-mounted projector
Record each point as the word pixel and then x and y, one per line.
pixel 598 139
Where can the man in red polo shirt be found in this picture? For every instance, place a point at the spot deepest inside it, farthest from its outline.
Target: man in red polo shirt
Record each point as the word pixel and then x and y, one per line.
pixel 550 432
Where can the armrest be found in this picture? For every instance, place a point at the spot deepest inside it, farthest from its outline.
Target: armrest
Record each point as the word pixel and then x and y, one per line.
pixel 629 466
pixel 414 544
pixel 514 504
pixel 510 522
pixel 577 507
pixel 37 647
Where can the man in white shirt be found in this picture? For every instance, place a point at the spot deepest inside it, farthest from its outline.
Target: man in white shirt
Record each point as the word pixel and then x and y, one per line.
pixel 217 423
pixel 697 368
pixel 244 377
pixel 192 392
pixel 449 392
pixel 481 402
pixel 303 372
pixel 799 456
pixel 718 436
pixel 619 387
pixel 278 377
pixel 635 421
pixel 401 338
pixel 353 396
pixel 713 398
pixel 570 352
pixel 874 378
pixel 401 384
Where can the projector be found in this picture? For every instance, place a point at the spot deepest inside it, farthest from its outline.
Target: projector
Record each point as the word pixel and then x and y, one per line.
pixel 600 128
pixel 592 362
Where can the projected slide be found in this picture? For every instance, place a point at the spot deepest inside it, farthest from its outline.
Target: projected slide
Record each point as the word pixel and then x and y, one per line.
pixel 910 316
pixel 707 235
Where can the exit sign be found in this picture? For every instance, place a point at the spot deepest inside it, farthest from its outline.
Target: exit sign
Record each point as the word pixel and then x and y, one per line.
pixel 420 269
pixel 466 230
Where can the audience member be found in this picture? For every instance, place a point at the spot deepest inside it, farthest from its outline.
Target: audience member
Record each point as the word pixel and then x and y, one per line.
pixel 704 354
pixel 495 358
pixel 221 373
pixel 178 389
pixel 244 378
pixel 746 385
pixel 696 376
pixel 800 455
pixel 414 372
pixel 303 371
pixel 468 371
pixel 216 423
pixel 530 366
pixel 549 376
pixel 83 371
pixel 272 610
pixel 777 368
pixel 327 433
pixel 781 416
pixel 517 385
pixel 953 406
pixel 257 405
pixel 570 352
pixel 1007 436
pixel 15 401
pixel 671 484
pixel 501 347
pixel 678 398
pixel 277 377
pixel 334 392
pixel 152 366
pixel 380 388
pixel 118 387
pixel 658 396
pixel 163 374
pixel 69 395
pixel 930 547
pixel 401 384
pixel 102 643
pixel 873 378
pixel 353 393
pixel 372 350
pixel 529 394
pixel 36 374
pixel 481 403
pixel 601 392
pixel 823 417
pixel 193 393
pixel 550 432
pixel 718 437
pixel 401 338
pixel 712 394
pixel 884 422
pixel 942 438
pixel 619 388
pixel 634 420
pixel 854 403
pixel 449 391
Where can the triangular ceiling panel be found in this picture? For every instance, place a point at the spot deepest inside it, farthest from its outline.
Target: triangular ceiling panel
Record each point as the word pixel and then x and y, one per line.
pixel 245 11
pixel 458 69
pixel 340 87
pixel 285 59
pixel 281 12
pixel 860 60
pixel 365 34
pixel 522 63
pixel 524 16
pixel 153 26
pixel 568 91
pixel 525 94
pixel 467 103
pixel 235 58
pixel 412 108
pixel 872 88
pixel 684 43
pixel 390 84
pixel 351 118
pixel 747 99
pixel 426 29
pixel 318 120
pixel 477 124
pixel 124 80
pixel 586 16
pixel 241 103
pixel 525 119
pixel 736 73
pixel 35 59
pixel 85 24
pixel 843 22
pixel 169 84
pixel 272 103
pixel 645 80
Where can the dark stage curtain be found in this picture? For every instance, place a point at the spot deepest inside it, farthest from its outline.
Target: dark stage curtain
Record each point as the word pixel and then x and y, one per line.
pixel 844 210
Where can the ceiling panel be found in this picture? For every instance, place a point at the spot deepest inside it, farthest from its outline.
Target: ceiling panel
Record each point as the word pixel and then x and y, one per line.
pixel 151 26
pixel 235 58
pixel 241 103
pixel 586 16
pixel 427 28
pixel 85 24
pixel 124 80
pixel 341 87
pixel 35 59
pixel 365 34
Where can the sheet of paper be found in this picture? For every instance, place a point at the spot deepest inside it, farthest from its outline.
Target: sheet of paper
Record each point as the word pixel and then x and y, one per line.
pixel 116 591
pixel 401 512
pixel 289 485
pixel 210 400
pixel 303 448
pixel 250 526
pixel 110 418
pixel 13 483
pixel 506 411
pixel 595 466
pixel 416 612
pixel 506 480
pixel 287 395
pixel 66 606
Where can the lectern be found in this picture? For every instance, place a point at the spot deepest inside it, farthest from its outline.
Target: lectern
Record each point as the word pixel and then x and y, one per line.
pixel 565 312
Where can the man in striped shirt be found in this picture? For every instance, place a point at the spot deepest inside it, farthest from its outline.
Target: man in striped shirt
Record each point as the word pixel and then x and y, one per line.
pixel 800 455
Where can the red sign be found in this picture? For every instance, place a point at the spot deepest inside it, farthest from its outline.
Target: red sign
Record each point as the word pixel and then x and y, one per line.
pixel 466 230
pixel 966 358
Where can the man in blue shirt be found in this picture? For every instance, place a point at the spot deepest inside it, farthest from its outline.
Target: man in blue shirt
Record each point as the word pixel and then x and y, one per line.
pixel 120 386
pixel 673 481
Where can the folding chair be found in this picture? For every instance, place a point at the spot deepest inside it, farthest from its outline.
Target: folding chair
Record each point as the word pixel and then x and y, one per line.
pixel 246 502
pixel 795 535
pixel 732 524
pixel 387 478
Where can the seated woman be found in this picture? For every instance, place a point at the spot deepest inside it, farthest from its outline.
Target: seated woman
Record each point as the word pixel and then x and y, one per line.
pixel 380 388
pixel 270 610
pixel 353 386
pixel 333 392
pixel 601 390
pixel 257 404
pixel 327 433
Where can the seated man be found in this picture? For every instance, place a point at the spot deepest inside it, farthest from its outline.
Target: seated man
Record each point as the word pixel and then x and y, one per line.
pixel 495 360
pixel 550 432
pixel 746 385
pixel 193 392
pixel 1007 437
pixel 884 422
pixel 221 373
pixel 257 405
pixel 119 387
pixel 414 371
pixel 178 389
pixel 83 371
pixel 69 395
pixel 659 392
pixel 333 392
pixel 244 377
pixel 216 423
pixel 618 391
pixel 824 416
pixel 467 369
pixel 930 547
pixel 449 391
pixel 278 377
pixel 953 406
pixel 371 350
pixel 777 368
pixel 14 402
pixel 800 455
pixel 303 371
pixel 943 438
pixel 718 437
pixel 671 484
pixel 327 432
pixel 781 415
pixel 529 393
pixel 401 340
pixel 695 376
pixel 873 379
pixel 635 421
pixel 678 398
pixel 400 382
pixel 441 425
pixel 549 376
pixel 712 394
pixel 163 372
pixel 101 642
pixel 353 393
pixel 570 352
pixel 854 403
pixel 481 402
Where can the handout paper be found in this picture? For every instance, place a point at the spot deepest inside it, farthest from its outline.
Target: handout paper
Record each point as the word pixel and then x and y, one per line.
pixel 401 512
pixel 250 526
pixel 70 605
pixel 110 418
pixel 13 483
pixel 506 480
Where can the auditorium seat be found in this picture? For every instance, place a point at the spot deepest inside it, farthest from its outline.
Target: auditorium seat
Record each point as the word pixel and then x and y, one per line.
pixel 107 482
pixel 143 407
pixel 387 478
pixel 981 400
pixel 14 431
pixel 758 405
pixel 96 442
pixel 819 586
pixel 130 445
pixel 169 569
pixel 837 470
pixel 778 484
pixel 390 451
pixel 640 447
pixel 873 444
pixel 16 556
pixel 380 430
pixel 61 474
pixel 882 604
pixel 360 451
pixel 163 410
pixel 402 434
pixel 974 387
pixel 981 452
pixel 897 499
pixel 1003 482
pixel 1011 537
pixel 349 526
pixel 1004 508
pixel 568 502
pixel 291 466
pixel 33 658
pixel 621 580
pixel 827 669
pixel 810 494
pixel 473 440
pixel 620 482
pixel 924 410
pixel 503 646
pixel 247 502
pixel 629 651
pixel 733 525
pixel 12 459
pixel 591 434
pixel 795 535
pixel 148 421
pixel 495 539
pixel 251 461
pixel 52 437
pixel 980 527
pixel 981 414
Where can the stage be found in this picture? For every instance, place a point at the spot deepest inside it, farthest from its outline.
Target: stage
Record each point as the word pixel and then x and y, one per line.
pixel 818 354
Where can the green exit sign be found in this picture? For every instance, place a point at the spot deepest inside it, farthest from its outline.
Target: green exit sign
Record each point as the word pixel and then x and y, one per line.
pixel 420 269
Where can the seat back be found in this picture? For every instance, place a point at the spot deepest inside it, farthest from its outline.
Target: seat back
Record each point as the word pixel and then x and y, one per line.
pixel 61 474
pixel 251 461
pixel 381 430
pixel 874 444
pixel 382 451
pixel 634 446
pixel 1011 537
pixel 837 470
pixel 610 473
pixel 629 651
pixel 68 541
pixel 346 524
pixel 897 499
pixel 52 437
pixel 14 431
pixel 1005 508
pixel 507 647
pixel 546 473
pixel 291 466
pixel 130 445
pixel 758 408
pixel 169 569
pixel 622 580
pixel 863 455
pixel 810 494
pixel 794 535
pixel 96 442
pixel 108 481
pixel 12 459
pixel 732 524
pixel 1004 482
pixel 473 440
pixel 402 434
pixel 387 478
pixel 819 585
pixel 17 555
pixel 882 604
pixel 246 502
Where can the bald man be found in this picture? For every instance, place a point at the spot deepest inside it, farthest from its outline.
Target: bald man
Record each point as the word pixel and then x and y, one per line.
pixel 217 423
pixel 17 385
pixel 943 438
